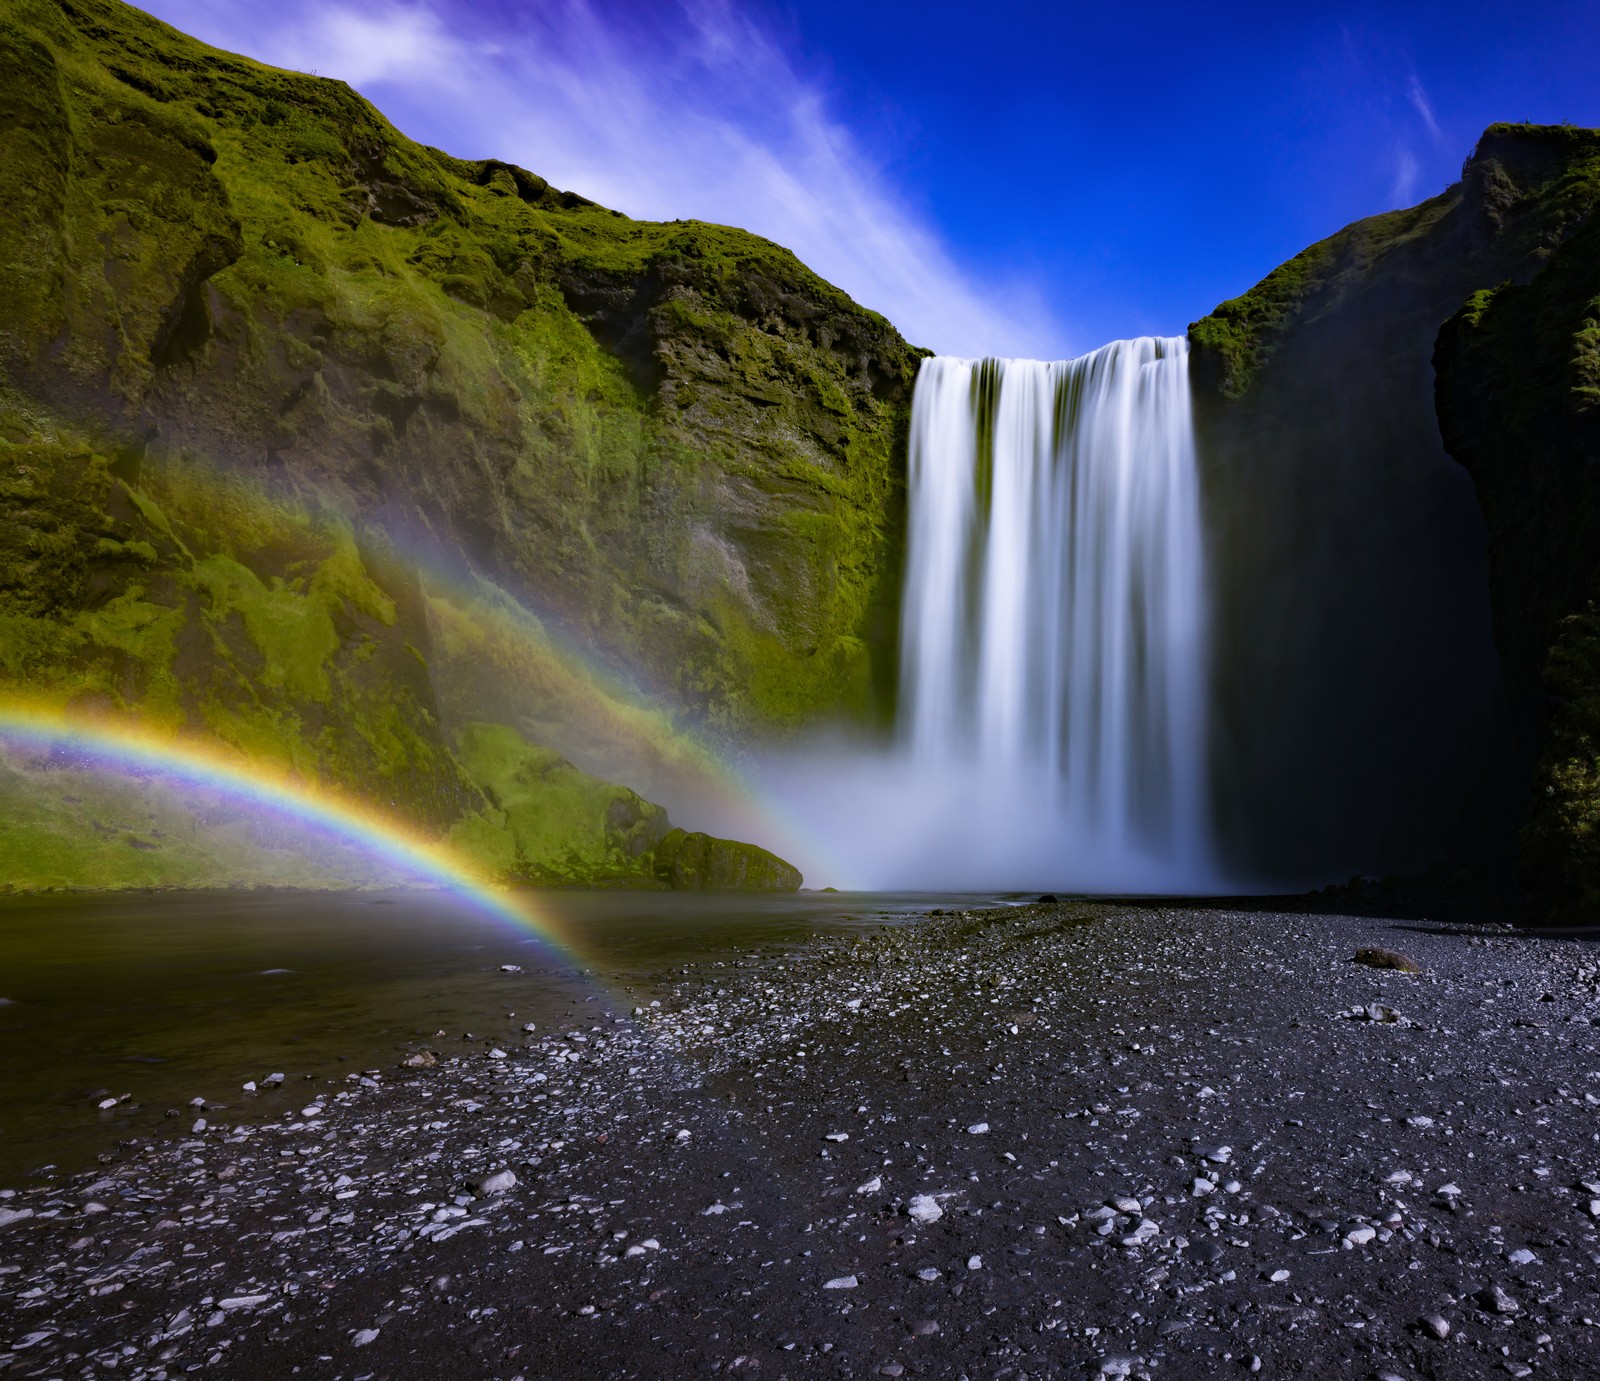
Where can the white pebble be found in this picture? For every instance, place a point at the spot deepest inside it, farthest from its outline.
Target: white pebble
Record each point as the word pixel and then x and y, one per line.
pixel 925 1209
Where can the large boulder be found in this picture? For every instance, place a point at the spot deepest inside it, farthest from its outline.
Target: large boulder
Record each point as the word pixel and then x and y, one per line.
pixel 695 862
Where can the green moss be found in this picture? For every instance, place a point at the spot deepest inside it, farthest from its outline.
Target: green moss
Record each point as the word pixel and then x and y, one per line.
pixel 73 829
pixel 546 821
pixel 676 439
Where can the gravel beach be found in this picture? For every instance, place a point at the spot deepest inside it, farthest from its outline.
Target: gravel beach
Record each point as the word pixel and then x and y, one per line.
pixel 1058 1140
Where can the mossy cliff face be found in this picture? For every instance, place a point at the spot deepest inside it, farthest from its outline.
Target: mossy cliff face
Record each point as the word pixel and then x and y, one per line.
pixel 1518 392
pixel 671 446
pixel 1362 724
pixel 676 439
pixel 195 608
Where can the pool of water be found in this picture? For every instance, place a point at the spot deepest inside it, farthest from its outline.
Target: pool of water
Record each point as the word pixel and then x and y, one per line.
pixel 158 999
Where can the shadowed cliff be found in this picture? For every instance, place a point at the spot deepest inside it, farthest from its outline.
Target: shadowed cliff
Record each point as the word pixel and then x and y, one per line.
pixel 1363 725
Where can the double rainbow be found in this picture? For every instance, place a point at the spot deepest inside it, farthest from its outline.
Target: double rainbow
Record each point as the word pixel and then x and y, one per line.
pixel 122 746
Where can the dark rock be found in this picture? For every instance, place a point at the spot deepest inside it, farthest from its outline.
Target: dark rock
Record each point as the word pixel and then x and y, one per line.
pixel 1376 958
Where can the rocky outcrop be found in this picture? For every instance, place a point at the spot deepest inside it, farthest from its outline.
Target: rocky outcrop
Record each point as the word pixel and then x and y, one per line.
pixel 1518 393
pixel 1362 724
pixel 700 863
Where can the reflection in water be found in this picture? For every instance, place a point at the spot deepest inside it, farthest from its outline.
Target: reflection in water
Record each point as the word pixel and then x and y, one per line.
pixel 158 999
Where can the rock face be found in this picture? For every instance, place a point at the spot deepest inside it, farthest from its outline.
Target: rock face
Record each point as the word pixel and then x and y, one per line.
pixel 1362 725
pixel 1518 387
pixel 700 863
pixel 673 438
pixel 674 443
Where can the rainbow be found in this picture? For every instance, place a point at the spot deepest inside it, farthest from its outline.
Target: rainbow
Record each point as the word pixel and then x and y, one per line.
pixel 124 746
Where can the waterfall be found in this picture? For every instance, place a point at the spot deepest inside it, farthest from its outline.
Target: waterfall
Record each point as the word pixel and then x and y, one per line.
pixel 1053 653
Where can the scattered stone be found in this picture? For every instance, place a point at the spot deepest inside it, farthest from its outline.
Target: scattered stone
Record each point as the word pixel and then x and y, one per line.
pixel 842 1283
pixel 1359 1236
pixel 1522 1257
pixel 925 1209
pixel 1493 1300
pixel 501 1182
pixel 1217 1155
pixel 364 1336
pixel 872 1186
pixel 1436 1324
pixel 978 1128
pixel 1377 1013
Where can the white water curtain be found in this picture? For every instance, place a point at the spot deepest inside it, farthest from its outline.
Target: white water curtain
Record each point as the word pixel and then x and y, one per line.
pixel 1053 634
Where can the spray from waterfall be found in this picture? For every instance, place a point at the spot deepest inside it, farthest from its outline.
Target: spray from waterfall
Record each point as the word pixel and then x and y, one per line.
pixel 1053 638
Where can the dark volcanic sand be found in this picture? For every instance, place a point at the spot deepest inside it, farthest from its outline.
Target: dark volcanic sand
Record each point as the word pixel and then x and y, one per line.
pixel 689 1182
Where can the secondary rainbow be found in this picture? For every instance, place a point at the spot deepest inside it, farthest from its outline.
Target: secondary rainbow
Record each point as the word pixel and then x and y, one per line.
pixel 123 746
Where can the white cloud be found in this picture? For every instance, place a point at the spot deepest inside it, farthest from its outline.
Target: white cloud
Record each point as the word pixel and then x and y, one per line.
pixel 1407 171
pixel 1419 99
pixel 704 117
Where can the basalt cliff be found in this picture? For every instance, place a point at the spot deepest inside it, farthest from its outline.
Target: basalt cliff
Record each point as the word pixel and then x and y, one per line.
pixel 1403 470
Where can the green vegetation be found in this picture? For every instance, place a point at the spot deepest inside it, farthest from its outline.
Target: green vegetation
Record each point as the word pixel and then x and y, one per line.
pixel 260 351
pixel 700 863
pixel 546 822
pixel 680 439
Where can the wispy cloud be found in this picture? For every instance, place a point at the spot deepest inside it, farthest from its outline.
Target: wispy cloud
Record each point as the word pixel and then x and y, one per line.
pixel 1424 107
pixel 693 111
pixel 1407 171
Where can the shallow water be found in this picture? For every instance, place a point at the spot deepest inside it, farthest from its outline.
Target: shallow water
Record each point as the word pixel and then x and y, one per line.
pixel 158 999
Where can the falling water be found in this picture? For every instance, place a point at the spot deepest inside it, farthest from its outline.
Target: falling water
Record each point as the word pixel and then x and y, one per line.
pixel 1053 677
pixel 1053 647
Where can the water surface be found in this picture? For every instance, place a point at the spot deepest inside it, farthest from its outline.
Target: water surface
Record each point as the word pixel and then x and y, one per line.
pixel 158 999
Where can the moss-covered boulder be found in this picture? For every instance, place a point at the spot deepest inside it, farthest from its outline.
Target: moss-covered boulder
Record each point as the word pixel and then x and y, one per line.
pixel 701 863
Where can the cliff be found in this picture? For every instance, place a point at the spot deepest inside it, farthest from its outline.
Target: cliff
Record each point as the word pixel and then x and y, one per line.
pixel 673 446
pixel 1375 715
pixel 1518 394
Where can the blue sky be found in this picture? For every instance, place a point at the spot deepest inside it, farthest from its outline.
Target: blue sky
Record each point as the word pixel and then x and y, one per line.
pixel 1022 180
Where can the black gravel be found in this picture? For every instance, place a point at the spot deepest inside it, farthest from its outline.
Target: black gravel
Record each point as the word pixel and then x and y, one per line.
pixel 1214 1145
